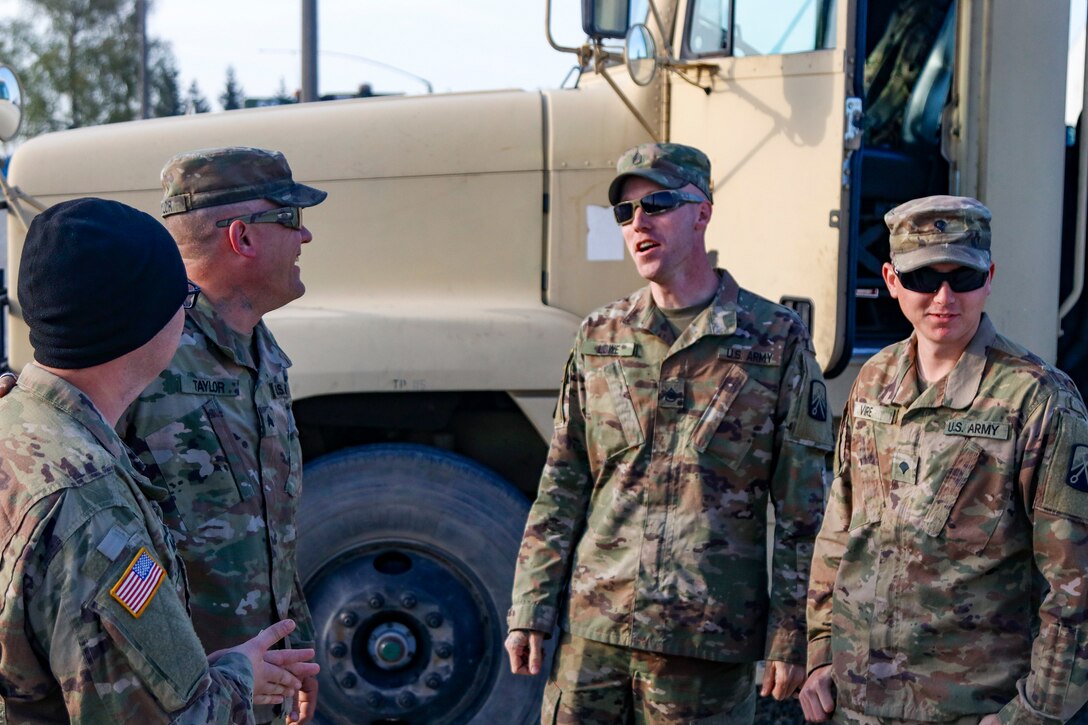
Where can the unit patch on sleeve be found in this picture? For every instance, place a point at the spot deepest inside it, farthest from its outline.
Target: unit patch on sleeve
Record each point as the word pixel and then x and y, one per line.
pixel 817 401
pixel 1077 475
pixel 138 584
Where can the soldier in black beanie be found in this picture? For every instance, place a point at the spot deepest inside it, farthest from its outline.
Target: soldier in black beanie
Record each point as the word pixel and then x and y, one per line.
pixel 94 625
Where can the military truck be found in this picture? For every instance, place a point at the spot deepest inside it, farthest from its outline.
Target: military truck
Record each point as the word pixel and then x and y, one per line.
pixel 465 235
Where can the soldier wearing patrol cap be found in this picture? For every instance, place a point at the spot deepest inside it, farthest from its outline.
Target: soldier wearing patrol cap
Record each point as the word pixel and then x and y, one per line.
pixel 216 428
pixel 948 583
pixel 684 409
pixel 93 621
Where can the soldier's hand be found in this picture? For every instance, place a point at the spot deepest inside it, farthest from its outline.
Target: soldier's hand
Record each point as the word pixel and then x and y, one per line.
pixel 526 650
pixel 273 680
pixel 817 699
pixel 305 704
pixel 781 679
pixel 993 719
pixel 7 383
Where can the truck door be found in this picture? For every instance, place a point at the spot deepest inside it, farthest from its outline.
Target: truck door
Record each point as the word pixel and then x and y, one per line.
pixel 766 98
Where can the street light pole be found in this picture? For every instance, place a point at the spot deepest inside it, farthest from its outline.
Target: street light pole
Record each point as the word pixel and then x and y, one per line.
pixel 309 51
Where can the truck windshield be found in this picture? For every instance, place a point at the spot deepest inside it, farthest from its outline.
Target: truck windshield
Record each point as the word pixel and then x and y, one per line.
pixel 756 27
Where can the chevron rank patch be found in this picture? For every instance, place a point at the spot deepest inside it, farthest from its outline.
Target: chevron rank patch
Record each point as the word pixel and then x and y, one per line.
pixel 817 401
pixel 1077 475
pixel 138 584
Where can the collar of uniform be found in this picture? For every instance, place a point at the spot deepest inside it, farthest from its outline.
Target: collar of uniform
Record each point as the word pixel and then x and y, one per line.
pixel 961 385
pixel 69 399
pixel 235 345
pixel 722 319
pixel 966 377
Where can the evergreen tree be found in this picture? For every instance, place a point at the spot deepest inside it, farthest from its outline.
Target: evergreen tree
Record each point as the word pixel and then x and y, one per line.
pixel 79 63
pixel 233 97
pixel 165 85
pixel 195 101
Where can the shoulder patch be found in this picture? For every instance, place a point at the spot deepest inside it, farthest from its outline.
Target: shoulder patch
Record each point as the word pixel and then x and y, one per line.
pixel 817 400
pixel 879 413
pixel 1065 479
pixel 609 349
pixel 196 385
pixel 742 354
pixel 138 584
pixel 1076 476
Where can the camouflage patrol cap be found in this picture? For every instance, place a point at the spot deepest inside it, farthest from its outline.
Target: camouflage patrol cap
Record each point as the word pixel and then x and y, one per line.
pixel 211 177
pixel 670 165
pixel 937 229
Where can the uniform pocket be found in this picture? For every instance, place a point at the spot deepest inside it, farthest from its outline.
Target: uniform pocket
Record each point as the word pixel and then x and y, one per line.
pixel 615 425
pixel 867 492
pixel 970 501
pixel 730 442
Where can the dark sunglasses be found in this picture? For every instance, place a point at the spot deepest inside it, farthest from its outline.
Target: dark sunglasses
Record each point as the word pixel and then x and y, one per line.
pixel 288 216
pixel 658 202
pixel 928 280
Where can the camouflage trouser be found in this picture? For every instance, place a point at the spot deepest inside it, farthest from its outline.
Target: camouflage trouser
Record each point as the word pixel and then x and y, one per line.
pixel 849 717
pixel 593 683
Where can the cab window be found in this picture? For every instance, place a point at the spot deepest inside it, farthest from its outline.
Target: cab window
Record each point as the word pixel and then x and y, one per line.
pixel 758 27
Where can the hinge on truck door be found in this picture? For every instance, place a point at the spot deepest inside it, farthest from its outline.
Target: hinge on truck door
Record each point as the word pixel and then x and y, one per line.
pixel 851 138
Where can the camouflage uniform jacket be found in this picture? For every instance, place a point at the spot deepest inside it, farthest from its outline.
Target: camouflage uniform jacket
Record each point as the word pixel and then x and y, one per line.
pixel 75 516
pixel 950 570
pixel 650 521
pixel 216 428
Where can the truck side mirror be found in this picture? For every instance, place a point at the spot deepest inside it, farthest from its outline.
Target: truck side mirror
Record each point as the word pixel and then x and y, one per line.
pixel 11 103
pixel 640 55
pixel 605 18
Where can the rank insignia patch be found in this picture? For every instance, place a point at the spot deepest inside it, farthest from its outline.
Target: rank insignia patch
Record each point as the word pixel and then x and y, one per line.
pixel 138 584
pixel 672 393
pixel 1077 475
pixel 817 401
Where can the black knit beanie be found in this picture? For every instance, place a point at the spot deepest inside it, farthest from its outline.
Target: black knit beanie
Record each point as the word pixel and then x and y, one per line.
pixel 97 280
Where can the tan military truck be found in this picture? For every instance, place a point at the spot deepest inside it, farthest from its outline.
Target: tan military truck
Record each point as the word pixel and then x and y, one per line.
pixel 465 235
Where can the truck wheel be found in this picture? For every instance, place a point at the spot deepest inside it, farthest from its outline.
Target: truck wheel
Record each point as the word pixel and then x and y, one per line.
pixel 407 555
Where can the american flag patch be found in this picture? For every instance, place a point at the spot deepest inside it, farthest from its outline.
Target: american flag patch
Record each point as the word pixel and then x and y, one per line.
pixel 138 584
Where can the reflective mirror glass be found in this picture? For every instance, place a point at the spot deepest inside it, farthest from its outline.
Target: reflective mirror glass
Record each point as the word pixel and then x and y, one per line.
pixel 11 103
pixel 640 53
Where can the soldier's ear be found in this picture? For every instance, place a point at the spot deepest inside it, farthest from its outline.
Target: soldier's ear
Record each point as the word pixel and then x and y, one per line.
pixel 891 280
pixel 240 239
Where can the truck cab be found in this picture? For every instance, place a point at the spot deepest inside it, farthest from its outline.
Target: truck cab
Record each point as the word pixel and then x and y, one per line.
pixel 466 235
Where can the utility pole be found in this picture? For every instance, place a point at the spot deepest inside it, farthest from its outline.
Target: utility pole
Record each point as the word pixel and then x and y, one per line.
pixel 141 29
pixel 309 51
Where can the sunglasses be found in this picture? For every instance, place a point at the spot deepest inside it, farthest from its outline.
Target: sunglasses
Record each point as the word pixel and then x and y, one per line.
pixel 928 280
pixel 658 202
pixel 288 216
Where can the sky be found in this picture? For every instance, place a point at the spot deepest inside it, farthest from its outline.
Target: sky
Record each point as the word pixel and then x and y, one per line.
pixel 456 45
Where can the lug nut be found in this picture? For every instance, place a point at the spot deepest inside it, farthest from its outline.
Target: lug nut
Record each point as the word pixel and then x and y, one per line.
pixel 443 650
pixel 348 618
pixel 406 700
pixel 376 601
pixel 339 649
pixel 433 681
pixel 373 700
pixel 434 619
pixel 348 681
pixel 408 601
